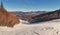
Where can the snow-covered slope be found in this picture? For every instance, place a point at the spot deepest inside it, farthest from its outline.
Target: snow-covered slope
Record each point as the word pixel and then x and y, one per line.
pixel 44 28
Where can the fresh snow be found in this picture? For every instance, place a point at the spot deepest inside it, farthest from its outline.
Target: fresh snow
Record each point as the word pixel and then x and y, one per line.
pixel 43 28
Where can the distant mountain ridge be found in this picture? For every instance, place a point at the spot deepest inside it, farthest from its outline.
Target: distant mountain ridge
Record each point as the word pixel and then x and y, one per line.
pixel 38 16
pixel 27 14
pixel 47 16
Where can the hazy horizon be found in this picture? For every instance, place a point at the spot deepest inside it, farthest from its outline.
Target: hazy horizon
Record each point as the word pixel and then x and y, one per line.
pixel 31 5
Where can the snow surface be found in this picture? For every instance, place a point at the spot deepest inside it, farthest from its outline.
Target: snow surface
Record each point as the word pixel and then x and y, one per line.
pixel 44 28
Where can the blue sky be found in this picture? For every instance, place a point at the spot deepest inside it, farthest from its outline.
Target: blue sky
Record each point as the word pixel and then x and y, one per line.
pixel 31 5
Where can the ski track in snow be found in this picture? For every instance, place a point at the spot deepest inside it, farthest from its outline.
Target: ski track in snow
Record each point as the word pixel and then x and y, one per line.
pixel 44 28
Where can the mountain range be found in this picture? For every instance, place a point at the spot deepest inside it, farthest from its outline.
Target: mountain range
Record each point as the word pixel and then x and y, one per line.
pixel 38 16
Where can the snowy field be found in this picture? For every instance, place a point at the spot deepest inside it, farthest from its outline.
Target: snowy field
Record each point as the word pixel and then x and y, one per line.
pixel 44 28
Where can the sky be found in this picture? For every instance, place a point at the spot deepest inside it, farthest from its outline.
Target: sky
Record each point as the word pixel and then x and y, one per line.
pixel 31 5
